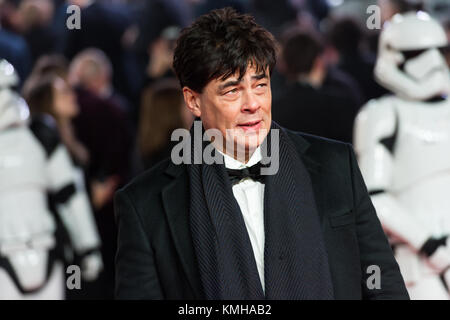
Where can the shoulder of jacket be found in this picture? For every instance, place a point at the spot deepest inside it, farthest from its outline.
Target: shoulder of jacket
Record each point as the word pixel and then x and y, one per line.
pixel 151 181
pixel 323 151
pixel 316 142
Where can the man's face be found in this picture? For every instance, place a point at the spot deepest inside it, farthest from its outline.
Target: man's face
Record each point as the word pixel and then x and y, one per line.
pixel 243 107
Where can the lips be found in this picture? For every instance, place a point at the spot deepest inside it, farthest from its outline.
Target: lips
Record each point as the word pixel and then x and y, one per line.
pixel 250 125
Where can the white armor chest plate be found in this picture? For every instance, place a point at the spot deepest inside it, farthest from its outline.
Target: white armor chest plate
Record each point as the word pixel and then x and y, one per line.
pixel 422 149
pixel 23 199
pixel 22 160
pixel 421 172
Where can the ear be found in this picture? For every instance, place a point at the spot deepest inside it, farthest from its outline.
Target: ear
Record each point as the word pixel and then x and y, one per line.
pixel 192 101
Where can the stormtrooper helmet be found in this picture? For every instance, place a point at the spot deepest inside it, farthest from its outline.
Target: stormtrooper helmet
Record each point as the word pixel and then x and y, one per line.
pixel 13 109
pixel 410 62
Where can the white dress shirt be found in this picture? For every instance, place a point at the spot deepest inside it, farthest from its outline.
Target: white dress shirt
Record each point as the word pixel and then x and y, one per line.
pixel 249 195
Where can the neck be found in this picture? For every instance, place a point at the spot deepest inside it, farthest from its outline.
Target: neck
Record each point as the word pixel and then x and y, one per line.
pixel 242 157
pixel 63 122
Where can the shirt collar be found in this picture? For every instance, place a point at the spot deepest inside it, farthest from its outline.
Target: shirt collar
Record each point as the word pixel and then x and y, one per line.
pixel 232 163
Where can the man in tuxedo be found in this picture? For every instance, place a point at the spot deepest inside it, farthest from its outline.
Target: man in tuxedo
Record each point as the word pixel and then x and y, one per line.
pixel 231 229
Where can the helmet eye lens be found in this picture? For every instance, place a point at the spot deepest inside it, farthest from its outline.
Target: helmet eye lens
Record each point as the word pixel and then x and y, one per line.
pixel 444 50
pixel 409 54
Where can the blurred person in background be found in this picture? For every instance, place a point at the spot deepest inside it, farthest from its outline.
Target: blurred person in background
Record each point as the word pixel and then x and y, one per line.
pixel 57 99
pixel 51 64
pixel 40 191
pixel 347 37
pixel 92 70
pixel 158 25
pixel 318 9
pixel 13 47
pixel 104 154
pixel 49 94
pixel 104 128
pixel 162 111
pixel 308 104
pixel 33 20
pixel 53 68
pixel 59 25
pixel 276 16
pixel 273 15
pixel 154 17
pixel 103 26
pixel 90 73
pixel 160 56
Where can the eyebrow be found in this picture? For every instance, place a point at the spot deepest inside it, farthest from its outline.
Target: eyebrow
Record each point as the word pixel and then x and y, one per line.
pixel 259 76
pixel 232 83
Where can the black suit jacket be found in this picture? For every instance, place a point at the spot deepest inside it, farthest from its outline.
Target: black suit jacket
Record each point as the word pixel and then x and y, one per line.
pixel 156 258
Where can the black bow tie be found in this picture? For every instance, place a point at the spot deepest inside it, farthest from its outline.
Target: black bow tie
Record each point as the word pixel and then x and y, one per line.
pixel 253 172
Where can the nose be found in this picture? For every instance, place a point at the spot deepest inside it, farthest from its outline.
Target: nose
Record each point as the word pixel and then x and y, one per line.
pixel 250 102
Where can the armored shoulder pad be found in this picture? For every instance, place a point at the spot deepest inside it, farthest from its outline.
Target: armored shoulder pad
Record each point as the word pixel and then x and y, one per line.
pixel 376 123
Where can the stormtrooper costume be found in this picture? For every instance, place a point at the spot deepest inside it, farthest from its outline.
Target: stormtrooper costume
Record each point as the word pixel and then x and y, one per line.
pixel 34 165
pixel 403 147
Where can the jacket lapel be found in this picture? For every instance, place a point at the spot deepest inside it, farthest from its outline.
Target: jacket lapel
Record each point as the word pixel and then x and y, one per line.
pixel 175 198
pixel 314 170
pixel 327 184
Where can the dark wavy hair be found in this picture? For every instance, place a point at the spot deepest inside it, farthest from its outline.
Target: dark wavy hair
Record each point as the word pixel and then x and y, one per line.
pixel 300 49
pixel 220 44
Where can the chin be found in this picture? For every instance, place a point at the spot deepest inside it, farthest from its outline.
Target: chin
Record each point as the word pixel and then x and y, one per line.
pixel 250 141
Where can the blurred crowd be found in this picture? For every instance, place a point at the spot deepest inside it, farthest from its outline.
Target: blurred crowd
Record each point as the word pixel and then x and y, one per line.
pixel 111 89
